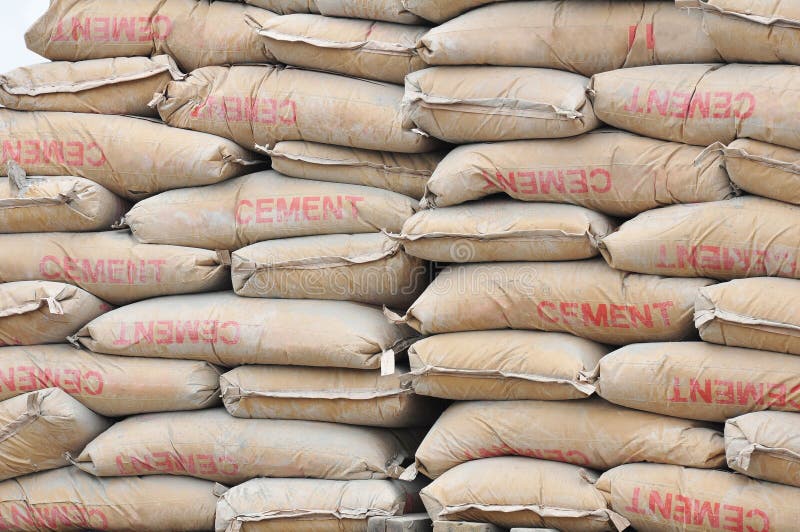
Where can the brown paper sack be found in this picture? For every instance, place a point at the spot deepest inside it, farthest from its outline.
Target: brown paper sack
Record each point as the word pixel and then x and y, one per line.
pixel 442 10
pixel 385 10
pixel 765 445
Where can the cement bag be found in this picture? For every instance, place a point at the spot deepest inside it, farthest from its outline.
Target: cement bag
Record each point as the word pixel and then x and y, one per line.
pixel 765 445
pixel 69 499
pixel 608 171
pixel 741 237
pixel 477 104
pixel 37 428
pixel 118 86
pixel 696 380
pixel 112 386
pixel 264 206
pixel 590 433
pixel 227 330
pixel 504 230
pixel 44 312
pixel 586 298
pixel 132 157
pixel 112 265
pixel 386 10
pixel 521 492
pixel 442 10
pixel 263 105
pixel 213 445
pixel 502 365
pixel 398 172
pixel 367 268
pixel 662 498
pixel 702 104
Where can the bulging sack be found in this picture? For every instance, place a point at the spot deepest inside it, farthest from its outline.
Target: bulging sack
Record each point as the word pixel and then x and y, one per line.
pixel 482 104
pixel 367 268
pixel 264 206
pixel 765 445
pixel 503 365
pixel 386 10
pixel 613 172
pixel 442 10
pixel 227 330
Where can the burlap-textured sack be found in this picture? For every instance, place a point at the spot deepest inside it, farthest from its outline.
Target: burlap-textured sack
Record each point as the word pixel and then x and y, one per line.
pixel 118 86
pixel 194 33
pixel 69 499
pixel 702 104
pixel 696 380
pixel 477 104
pixel 504 230
pixel 112 265
pixel 132 157
pixel 741 237
pixel 37 428
pixel 521 492
pixel 665 498
pixel 609 171
pixel 113 386
pixel 585 298
pixel 590 433
pixel 264 206
pixel 501 365
pixel 765 445
pixel 214 445
pixel 230 331
pixel 44 312
pixel 442 10
pixel 266 104
pixel 399 172
pixel 367 268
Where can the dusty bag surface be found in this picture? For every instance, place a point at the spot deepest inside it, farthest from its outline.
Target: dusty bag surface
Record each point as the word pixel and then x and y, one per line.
pixel 590 433
pixel 113 386
pixel 503 229
pixel 479 104
pixel 116 86
pixel 367 268
pixel 263 105
pixel 213 445
pixel 609 171
pixel 264 206
pixel 759 237
pixel 587 299
pixel 386 10
pixel 228 330
pixel 696 380
pixel 765 445
pixel 131 157
pixel 69 499
pixel 763 169
pixel 501 365
pixel 442 10
pixel 37 428
pixel 521 492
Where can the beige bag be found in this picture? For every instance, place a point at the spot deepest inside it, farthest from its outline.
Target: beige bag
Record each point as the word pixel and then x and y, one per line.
pixel 521 492
pixel 609 171
pixel 118 86
pixel 213 445
pixel 264 206
pixel 696 380
pixel 442 10
pixel 266 104
pixel 504 230
pixel 385 10
pixel 113 386
pixel 69 499
pixel 586 298
pixel 765 445
pixel 230 331
pixel 702 104
pixel 502 365
pixel 132 157
pixel 367 268
pixel 112 265
pixel 477 104
pixel 398 172
pixel 741 237
pixel 664 498
pixel 37 428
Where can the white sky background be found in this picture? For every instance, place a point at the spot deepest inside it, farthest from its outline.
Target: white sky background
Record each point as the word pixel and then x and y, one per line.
pixel 15 18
